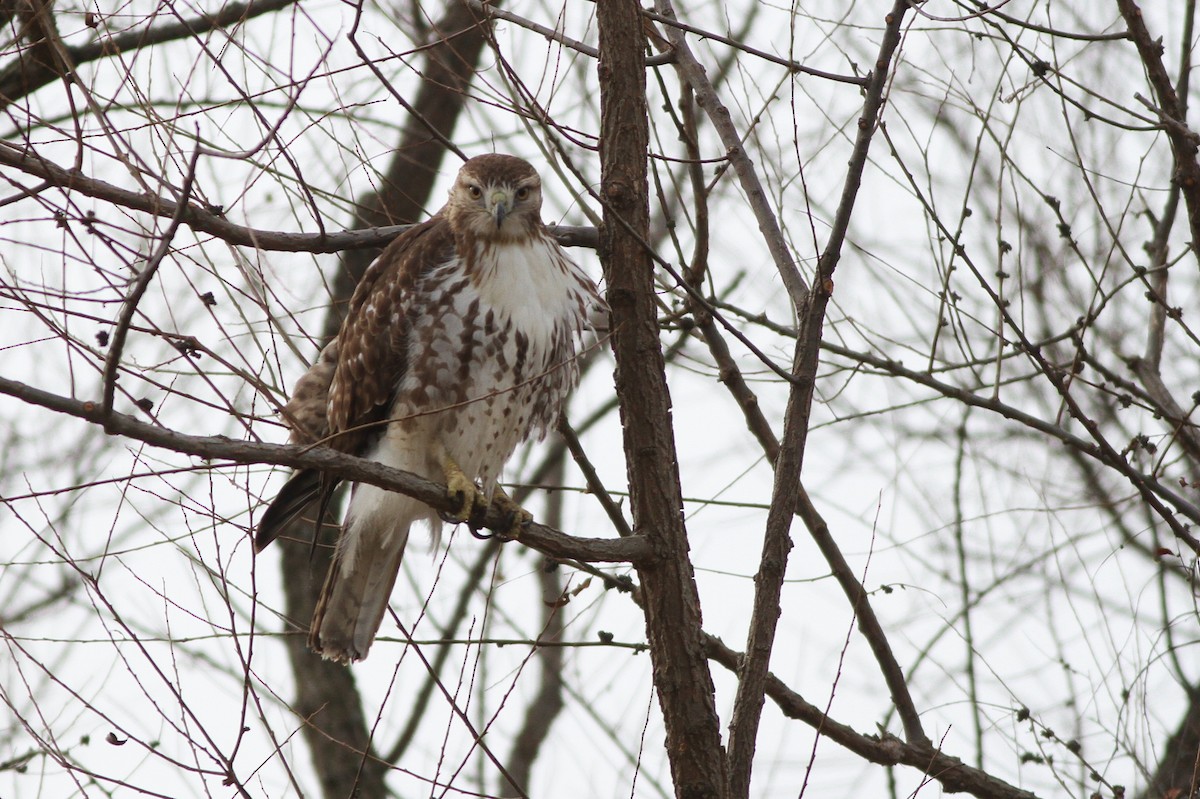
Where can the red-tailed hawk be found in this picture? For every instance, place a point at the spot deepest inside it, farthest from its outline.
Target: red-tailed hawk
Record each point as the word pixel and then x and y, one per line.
pixel 459 344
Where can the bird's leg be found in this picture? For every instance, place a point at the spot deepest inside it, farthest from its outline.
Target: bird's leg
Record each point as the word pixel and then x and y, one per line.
pixel 473 507
pixel 463 490
pixel 515 516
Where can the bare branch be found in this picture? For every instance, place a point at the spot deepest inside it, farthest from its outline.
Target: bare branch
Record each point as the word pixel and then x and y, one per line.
pixel 23 77
pixel 212 220
pixel 1184 141
pixel 345 467
pixel 787 497
pixel 887 749
pixel 692 72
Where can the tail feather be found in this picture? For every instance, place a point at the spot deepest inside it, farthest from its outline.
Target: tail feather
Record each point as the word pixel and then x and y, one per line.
pixel 304 489
pixel 357 588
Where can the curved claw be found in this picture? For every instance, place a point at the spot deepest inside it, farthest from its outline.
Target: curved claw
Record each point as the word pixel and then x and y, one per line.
pixel 477 533
pixel 462 489
pixel 516 517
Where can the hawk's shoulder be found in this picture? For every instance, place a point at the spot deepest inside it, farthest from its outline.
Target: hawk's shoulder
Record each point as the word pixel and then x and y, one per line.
pixel 372 350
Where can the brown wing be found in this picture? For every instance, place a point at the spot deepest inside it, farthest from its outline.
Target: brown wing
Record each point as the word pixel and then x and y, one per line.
pixel 350 388
pixel 372 351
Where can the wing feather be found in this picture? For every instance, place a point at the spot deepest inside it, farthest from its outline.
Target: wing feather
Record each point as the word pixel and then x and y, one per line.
pixel 352 384
pixel 372 357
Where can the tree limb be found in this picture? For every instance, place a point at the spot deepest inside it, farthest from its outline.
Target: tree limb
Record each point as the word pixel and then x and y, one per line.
pixel 211 220
pixel 887 750
pixel 1171 111
pixel 345 467
pixel 22 77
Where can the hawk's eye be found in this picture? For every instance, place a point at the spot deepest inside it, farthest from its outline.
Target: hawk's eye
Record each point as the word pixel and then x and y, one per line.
pixel 522 192
pixel 474 191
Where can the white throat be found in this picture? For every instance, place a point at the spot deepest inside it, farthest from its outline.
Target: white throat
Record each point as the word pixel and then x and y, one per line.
pixel 530 283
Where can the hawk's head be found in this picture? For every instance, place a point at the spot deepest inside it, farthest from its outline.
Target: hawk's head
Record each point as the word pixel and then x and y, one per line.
pixel 496 198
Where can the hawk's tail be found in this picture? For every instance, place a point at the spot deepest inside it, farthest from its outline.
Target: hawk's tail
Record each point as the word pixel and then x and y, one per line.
pixel 360 579
pixel 305 489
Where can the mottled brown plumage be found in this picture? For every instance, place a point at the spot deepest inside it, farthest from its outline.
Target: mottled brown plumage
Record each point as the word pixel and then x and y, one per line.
pixel 458 344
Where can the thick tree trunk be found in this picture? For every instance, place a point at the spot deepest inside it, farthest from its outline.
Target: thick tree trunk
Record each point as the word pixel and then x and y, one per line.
pixel 1178 772
pixel 671 602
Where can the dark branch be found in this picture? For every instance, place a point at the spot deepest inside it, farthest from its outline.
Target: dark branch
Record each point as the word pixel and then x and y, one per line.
pixel 345 467
pixel 671 603
pixel 23 76
pixel 1171 111
pixel 212 222
pixel 887 750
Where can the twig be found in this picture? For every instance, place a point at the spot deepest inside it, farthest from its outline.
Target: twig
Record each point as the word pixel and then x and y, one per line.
pixel 113 360
pixel 693 74
pixel 416 711
pixel 1148 488
pixel 466 25
pixel 868 622
pixel 671 22
pixel 1055 32
pixel 492 10
pixel 787 495
pixel 1171 110
pixel 18 80
pixel 548 702
pixel 884 749
pixel 212 220
pixel 452 703
pixel 594 484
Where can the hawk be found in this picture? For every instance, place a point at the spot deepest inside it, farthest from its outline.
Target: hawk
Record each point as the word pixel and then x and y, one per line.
pixel 459 343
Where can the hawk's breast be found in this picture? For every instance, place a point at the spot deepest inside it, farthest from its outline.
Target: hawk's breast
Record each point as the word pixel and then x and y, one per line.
pixel 492 348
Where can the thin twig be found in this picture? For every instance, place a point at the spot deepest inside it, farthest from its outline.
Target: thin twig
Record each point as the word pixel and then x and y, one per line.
pixel 692 72
pixel 787 495
pixel 211 220
pixel 492 10
pixel 1172 111
pixel 113 360
pixel 792 66
pixel 549 651
pixel 18 79
pixel 416 711
pixel 594 484
pixel 885 749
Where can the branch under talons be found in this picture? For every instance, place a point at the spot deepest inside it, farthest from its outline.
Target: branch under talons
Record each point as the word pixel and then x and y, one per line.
pixel 547 540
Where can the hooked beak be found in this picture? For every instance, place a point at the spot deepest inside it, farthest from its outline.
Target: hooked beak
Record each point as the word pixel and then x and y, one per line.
pixel 501 205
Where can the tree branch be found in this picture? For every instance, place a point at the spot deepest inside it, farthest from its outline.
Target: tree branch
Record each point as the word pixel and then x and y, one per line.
pixel 693 74
pixel 1171 112
pixel 345 467
pixel 887 750
pixel 23 77
pixel 211 220
pixel 787 496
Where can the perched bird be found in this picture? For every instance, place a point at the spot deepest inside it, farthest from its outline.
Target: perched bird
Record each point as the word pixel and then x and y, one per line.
pixel 459 343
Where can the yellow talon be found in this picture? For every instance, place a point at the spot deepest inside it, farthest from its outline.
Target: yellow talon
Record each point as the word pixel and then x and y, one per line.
pixel 473 506
pixel 517 516
pixel 463 490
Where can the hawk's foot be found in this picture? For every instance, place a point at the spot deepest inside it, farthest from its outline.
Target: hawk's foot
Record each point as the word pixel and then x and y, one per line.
pixel 462 489
pixel 516 517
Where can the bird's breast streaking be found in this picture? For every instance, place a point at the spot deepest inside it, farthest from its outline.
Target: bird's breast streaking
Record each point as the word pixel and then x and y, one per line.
pixel 459 343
